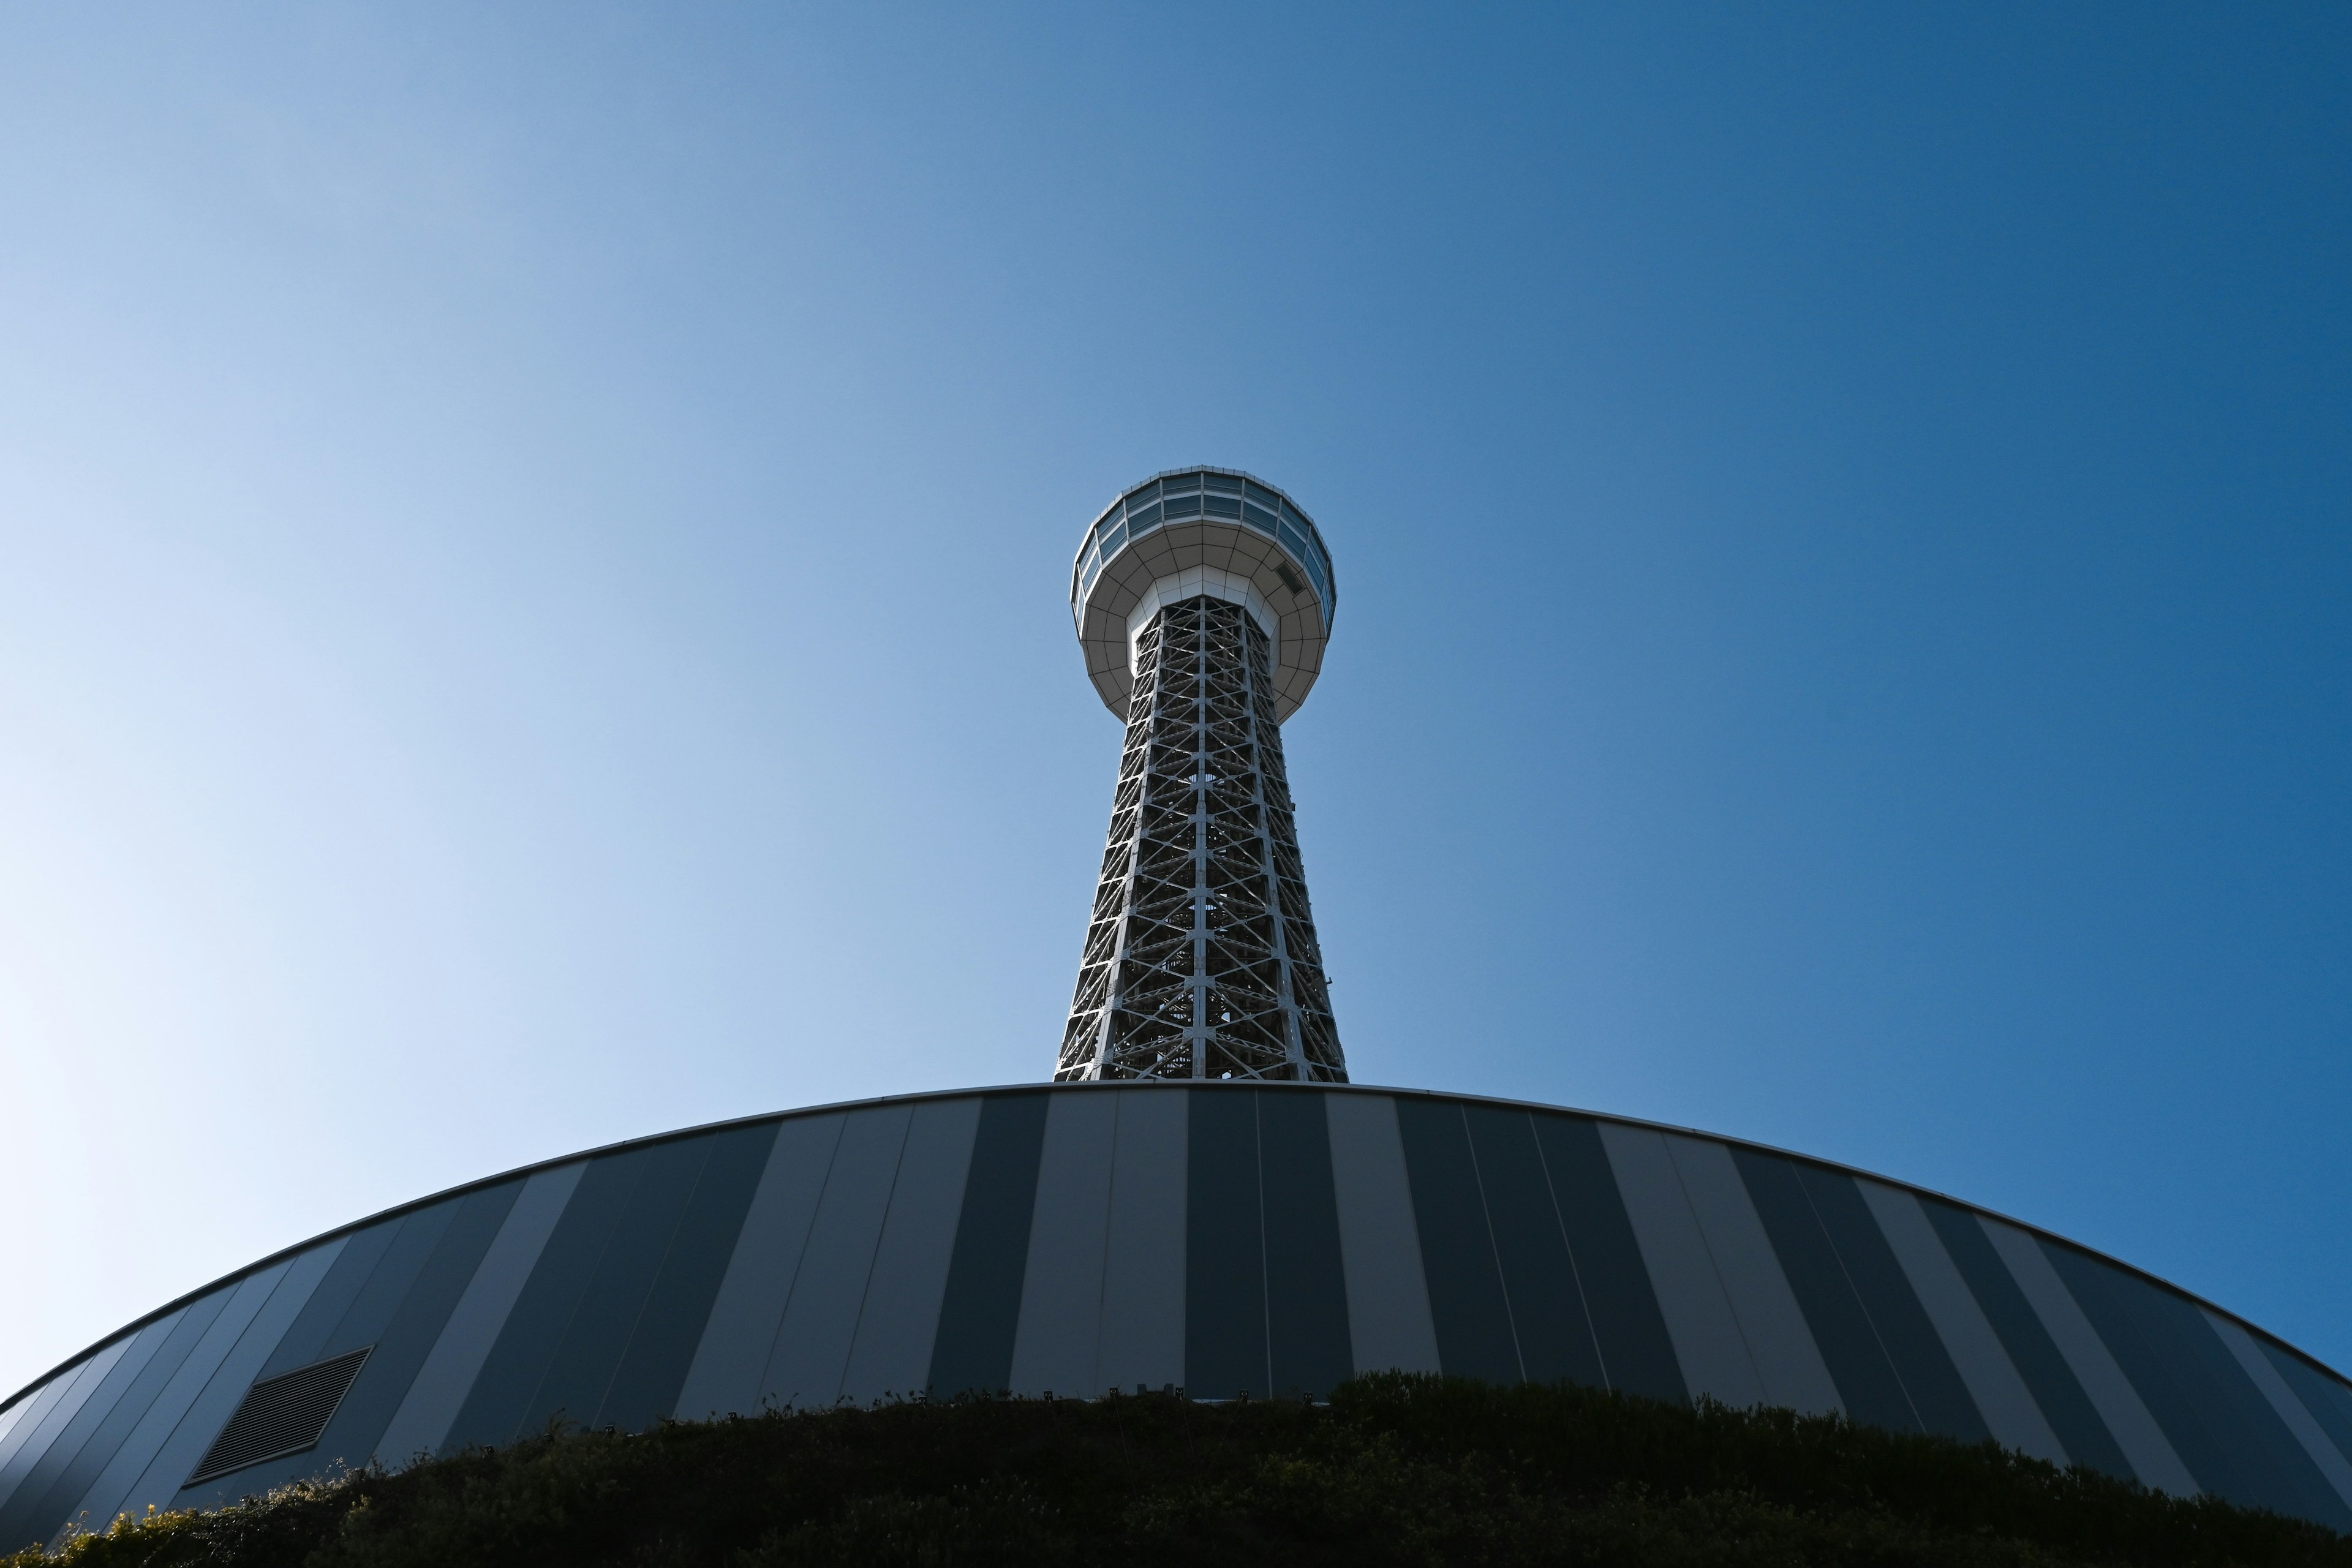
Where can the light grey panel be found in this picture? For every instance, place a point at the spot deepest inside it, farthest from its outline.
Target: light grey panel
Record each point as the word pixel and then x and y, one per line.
pixel 2308 1432
pixel 892 1352
pixel 1061 1292
pixel 1143 1338
pixel 104 1498
pixel 124 1486
pixel 441 1385
pixel 820 1318
pixel 1389 1325
pixel 226 1387
pixel 1774 1326
pixel 1976 1350
pixel 2118 1404
pixel 84 1381
pixel 1708 1342
pixel 17 1413
pixel 742 1330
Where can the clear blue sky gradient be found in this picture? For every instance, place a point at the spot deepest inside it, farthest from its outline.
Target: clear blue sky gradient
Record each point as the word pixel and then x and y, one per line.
pixel 533 545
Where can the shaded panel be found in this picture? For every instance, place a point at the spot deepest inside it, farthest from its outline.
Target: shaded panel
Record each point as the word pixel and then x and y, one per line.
pixel 1993 1382
pixel 1142 1341
pixel 404 1341
pixel 184 1364
pixel 50 1409
pixel 1780 1340
pixel 2328 1401
pixel 741 1333
pixel 2219 1424
pixel 821 1318
pixel 1709 1348
pixel 982 1308
pixel 1224 1286
pixel 1062 1289
pixel 59 1432
pixel 1841 1327
pixel 592 1341
pixel 163 1346
pixel 2057 1393
pixel 362 1252
pixel 1555 1337
pixel 501 1400
pixel 1637 1354
pixel 427 1411
pixel 225 1389
pixel 1938 1397
pixel 900 1324
pixel 1389 1325
pixel 2290 1409
pixel 1306 1286
pixel 1466 1303
pixel 2146 1450
pixel 661 1346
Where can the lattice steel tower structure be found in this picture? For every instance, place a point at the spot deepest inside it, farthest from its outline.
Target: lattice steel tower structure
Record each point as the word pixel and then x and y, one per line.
pixel 1203 599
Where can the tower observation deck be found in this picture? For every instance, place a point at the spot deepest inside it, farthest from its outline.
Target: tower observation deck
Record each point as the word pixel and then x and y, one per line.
pixel 1203 599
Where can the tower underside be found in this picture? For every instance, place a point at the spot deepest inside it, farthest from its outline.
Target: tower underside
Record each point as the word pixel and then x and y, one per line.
pixel 1200 960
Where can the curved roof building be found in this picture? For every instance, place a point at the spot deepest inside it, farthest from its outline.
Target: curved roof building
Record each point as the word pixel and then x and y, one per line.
pixel 1201 1203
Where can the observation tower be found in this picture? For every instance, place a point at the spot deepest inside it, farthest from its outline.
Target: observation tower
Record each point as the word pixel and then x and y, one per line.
pixel 1203 599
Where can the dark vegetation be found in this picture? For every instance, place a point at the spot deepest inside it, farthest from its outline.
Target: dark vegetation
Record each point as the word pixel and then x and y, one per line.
pixel 1393 1470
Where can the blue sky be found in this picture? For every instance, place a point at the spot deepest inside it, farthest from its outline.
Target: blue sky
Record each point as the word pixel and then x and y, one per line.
pixel 532 543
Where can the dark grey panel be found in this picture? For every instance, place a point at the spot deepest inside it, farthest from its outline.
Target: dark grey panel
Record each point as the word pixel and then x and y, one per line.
pixel 1555 1337
pixel 2218 1421
pixel 1224 1249
pixel 1787 1358
pixel 405 1335
pixel 2284 1401
pixel 1710 1348
pixel 362 1254
pixel 2056 1391
pixel 1389 1325
pixel 2144 1444
pixel 1062 1289
pixel 594 1341
pixel 2001 1394
pixel 511 1375
pixel 225 1390
pixel 1637 1355
pixel 44 1412
pixel 661 1346
pixel 171 1339
pixel 1866 1378
pixel 1305 1286
pixel 2329 1402
pixel 899 1324
pixel 1143 1262
pixel 184 1364
pixel 740 1336
pixel 26 1516
pixel 819 1326
pixel 1466 1302
pixel 435 1395
pixel 982 1308
pixel 1921 1363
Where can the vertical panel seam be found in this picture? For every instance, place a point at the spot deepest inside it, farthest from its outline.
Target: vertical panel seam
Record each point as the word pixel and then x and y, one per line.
pixel 1846 1272
pixel 881 1231
pixel 1503 1285
pixel 1714 1264
pixel 800 1259
pixel 1543 1162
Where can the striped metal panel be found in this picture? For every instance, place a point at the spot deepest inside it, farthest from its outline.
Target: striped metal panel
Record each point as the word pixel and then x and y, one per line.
pixel 1221 1239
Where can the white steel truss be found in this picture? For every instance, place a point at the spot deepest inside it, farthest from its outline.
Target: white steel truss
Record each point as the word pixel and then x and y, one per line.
pixel 1200 960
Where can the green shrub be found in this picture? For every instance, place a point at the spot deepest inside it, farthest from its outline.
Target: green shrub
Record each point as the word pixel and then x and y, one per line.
pixel 1394 1470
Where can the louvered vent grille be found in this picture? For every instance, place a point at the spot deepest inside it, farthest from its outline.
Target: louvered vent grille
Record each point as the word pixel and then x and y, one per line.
pixel 281 1417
